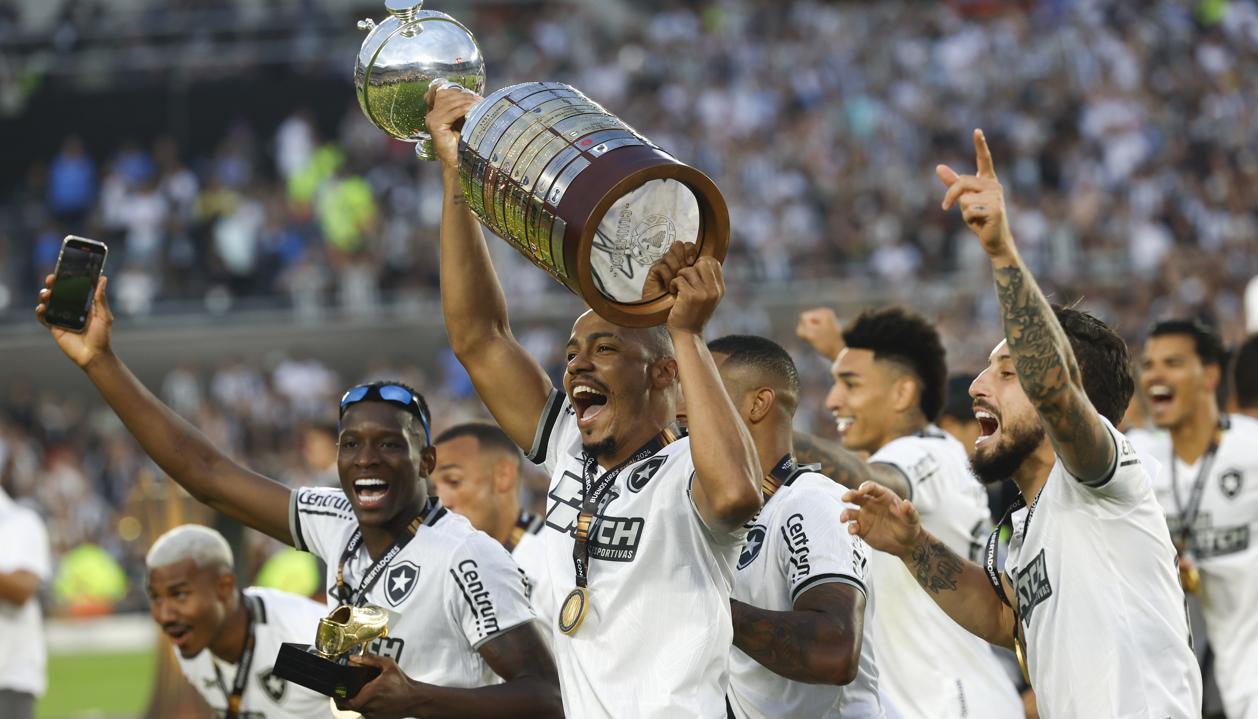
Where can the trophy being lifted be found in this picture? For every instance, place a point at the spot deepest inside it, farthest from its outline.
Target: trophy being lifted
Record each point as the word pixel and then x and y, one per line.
pixel 573 188
pixel 324 667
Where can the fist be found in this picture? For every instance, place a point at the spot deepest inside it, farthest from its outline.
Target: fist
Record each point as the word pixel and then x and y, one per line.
pixel 819 327
pixel 697 290
pixel 448 105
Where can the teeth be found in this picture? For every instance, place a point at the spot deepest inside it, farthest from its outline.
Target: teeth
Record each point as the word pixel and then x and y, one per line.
pixel 844 423
pixel 584 391
pixel 362 484
pixel 984 414
pixel 1160 391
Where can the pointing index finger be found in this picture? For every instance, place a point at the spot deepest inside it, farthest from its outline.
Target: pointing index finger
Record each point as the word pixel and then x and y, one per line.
pixel 983 156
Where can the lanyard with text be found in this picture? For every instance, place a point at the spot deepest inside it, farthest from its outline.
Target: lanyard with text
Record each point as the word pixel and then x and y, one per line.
pixel 237 693
pixel 523 525
pixel 372 575
pixel 1188 512
pixel 993 575
pixel 592 492
pixel 779 475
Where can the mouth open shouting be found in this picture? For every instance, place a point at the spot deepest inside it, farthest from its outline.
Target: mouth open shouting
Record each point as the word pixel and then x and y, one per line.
pixel 370 492
pixel 589 400
pixel 181 636
pixel 988 425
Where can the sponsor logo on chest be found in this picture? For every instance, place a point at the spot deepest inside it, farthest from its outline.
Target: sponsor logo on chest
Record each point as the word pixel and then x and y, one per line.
pixel 1032 586
pixel 612 538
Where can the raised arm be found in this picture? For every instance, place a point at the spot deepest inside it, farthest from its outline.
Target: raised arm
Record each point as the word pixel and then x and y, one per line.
pixel 818 641
pixel 844 466
pixel 726 487
pixel 960 588
pixel 509 381
pixel 1046 365
pixel 530 687
pixel 180 449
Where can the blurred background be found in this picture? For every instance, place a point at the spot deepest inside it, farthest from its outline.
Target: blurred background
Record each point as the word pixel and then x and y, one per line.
pixel 269 246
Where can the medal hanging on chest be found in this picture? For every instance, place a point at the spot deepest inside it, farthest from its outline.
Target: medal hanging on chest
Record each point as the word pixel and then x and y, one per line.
pixel 575 606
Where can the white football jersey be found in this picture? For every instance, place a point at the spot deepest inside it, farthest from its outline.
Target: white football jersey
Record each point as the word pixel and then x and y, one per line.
pixel 23 547
pixel 1222 545
pixel 655 640
pixel 930 667
pixel 451 588
pixel 796 543
pixel 1097 591
pixel 530 554
pixel 278 617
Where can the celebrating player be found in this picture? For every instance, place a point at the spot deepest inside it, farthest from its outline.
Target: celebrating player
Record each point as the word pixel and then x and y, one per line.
pixel 642 528
pixel 801 643
pixel 478 476
pixel 465 620
pixel 194 599
pixel 890 378
pixel 1208 488
pixel 1089 595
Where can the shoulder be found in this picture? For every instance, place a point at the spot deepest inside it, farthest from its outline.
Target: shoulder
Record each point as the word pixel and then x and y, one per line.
pixel 461 542
pixel 1245 428
pixel 813 487
pixel 279 607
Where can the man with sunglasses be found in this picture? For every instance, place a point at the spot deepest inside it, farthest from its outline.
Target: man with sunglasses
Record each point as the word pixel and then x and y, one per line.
pixel 459 617
pixel 643 529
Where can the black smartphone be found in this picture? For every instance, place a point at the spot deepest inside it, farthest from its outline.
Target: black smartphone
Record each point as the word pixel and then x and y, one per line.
pixel 74 282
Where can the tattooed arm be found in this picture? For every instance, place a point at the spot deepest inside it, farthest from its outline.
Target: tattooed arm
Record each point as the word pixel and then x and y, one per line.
pixel 818 642
pixel 844 466
pixel 960 588
pixel 1045 364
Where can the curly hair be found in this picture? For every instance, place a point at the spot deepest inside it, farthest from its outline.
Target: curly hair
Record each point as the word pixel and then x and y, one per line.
pixel 894 334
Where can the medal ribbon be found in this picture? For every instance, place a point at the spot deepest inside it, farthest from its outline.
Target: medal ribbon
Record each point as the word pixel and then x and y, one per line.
pixel 779 475
pixel 1188 513
pixel 377 568
pixel 993 574
pixel 521 528
pixel 593 491
pixel 237 693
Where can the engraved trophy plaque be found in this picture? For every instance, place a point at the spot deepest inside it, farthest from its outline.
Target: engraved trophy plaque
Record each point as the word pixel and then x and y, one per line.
pixel 573 188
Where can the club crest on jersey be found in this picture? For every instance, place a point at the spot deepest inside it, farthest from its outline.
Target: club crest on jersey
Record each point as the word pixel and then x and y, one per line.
pixel 643 473
pixel 272 685
pixel 399 581
pixel 751 549
pixel 1032 586
pixel 1230 483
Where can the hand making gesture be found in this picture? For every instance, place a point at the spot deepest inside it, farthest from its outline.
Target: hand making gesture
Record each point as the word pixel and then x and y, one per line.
pixel 982 200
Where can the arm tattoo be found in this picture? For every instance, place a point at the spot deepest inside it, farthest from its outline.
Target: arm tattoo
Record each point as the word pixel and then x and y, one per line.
pixel 935 566
pixel 808 643
pixel 1040 348
pixel 459 198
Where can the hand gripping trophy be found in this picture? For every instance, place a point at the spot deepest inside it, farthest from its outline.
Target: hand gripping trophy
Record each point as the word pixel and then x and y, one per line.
pixel 324 667
pixel 573 188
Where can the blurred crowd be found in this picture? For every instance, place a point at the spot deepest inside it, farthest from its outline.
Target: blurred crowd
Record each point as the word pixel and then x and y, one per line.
pixel 1123 133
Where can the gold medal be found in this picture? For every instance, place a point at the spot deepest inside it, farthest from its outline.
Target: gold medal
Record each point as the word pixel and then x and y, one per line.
pixel 1189 576
pixel 572 613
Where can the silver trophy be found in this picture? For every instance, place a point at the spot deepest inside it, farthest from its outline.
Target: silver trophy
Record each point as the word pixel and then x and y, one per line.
pixel 572 187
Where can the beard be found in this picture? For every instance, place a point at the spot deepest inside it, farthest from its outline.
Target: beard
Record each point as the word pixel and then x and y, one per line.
pixel 1003 461
pixel 603 448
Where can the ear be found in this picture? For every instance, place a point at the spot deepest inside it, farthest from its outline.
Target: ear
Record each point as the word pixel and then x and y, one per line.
pixel 225 586
pixel 762 402
pixel 663 372
pixel 427 460
pixel 504 476
pixel 1211 376
pixel 904 393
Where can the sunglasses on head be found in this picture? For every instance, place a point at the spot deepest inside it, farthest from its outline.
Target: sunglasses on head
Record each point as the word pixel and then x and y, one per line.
pixel 393 393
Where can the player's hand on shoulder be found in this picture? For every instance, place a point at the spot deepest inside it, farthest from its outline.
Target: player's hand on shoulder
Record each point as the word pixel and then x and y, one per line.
pixel 389 695
pixel 820 328
pixel 698 289
pixel 448 103
pixel 93 341
pixel 982 199
pixel 886 522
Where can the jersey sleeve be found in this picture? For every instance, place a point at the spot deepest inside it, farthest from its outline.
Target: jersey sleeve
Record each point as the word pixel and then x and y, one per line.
pixel 488 592
pixel 317 518
pixel 24 545
pixel 815 547
pixel 553 429
pixel 912 458
pixel 1127 478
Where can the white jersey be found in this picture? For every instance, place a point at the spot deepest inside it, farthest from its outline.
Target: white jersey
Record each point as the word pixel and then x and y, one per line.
pixel 796 543
pixel 931 667
pixel 655 640
pixel 1098 596
pixel 530 554
pixel 451 588
pixel 278 617
pixel 1222 546
pixel 23 547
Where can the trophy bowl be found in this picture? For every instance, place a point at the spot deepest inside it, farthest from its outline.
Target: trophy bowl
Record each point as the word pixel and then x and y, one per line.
pixel 401 56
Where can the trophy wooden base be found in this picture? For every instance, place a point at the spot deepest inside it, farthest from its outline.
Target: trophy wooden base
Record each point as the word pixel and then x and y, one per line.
pixel 299 664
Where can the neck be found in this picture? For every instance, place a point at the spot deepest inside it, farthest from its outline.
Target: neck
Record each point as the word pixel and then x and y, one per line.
pixel 507 518
pixel 377 540
pixel 1191 437
pixel 1249 411
pixel 631 443
pixel 1031 476
pixel 771 444
pixel 229 644
pixel 903 425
